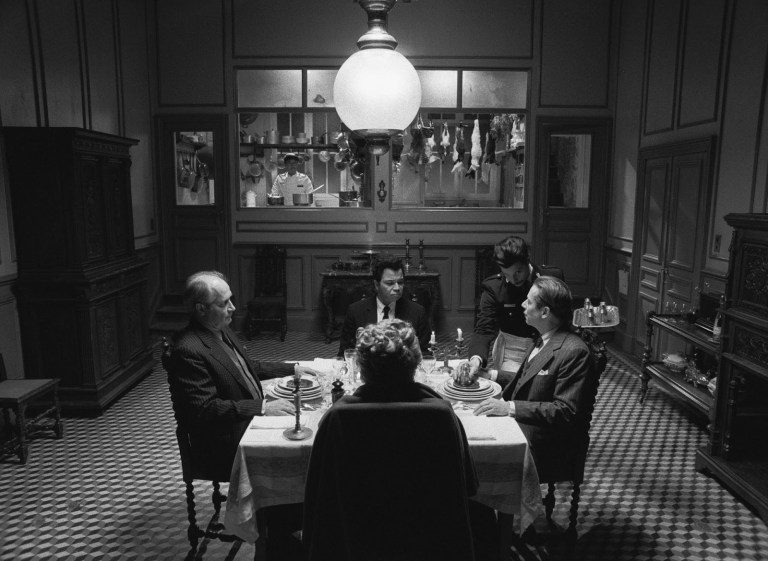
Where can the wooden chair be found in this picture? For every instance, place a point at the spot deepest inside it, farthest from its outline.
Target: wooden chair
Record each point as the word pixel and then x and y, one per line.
pixel 191 471
pixel 388 481
pixel 16 395
pixel 270 299
pixel 573 468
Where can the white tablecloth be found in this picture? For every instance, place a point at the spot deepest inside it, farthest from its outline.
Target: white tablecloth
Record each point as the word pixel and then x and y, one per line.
pixel 271 470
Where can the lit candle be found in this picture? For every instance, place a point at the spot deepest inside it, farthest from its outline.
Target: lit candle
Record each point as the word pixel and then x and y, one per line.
pixel 459 335
pixel 432 340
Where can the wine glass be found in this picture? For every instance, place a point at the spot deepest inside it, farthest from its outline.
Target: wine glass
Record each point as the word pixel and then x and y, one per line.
pixel 352 356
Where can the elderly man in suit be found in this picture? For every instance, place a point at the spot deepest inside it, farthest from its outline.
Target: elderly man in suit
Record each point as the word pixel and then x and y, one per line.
pixel 547 394
pixel 387 303
pixel 216 388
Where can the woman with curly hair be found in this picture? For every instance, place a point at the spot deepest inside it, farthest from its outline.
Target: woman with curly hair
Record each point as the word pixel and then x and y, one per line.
pixel 371 489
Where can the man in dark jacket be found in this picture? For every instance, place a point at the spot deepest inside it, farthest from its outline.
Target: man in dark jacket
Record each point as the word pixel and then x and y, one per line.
pixel 215 387
pixel 547 395
pixel 500 320
pixel 387 303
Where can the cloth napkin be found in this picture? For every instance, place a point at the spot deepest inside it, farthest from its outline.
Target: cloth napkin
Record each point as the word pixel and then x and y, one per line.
pixel 478 428
pixel 276 422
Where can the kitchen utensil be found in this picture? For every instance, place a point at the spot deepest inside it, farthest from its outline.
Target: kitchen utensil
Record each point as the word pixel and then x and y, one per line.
pixel 271 136
pixel 347 196
pixel 303 199
pixel 275 200
pixel 317 188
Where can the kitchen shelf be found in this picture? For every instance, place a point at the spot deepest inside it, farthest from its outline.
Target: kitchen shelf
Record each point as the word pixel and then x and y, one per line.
pixel 295 146
pixel 676 324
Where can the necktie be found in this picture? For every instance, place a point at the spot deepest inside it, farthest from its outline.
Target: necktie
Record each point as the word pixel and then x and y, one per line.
pixel 538 341
pixel 240 363
pixel 385 312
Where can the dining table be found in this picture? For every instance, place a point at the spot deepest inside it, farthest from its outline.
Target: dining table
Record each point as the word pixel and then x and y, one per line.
pixel 269 469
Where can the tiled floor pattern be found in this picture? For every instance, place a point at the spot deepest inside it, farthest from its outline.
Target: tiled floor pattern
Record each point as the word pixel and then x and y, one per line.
pixel 112 489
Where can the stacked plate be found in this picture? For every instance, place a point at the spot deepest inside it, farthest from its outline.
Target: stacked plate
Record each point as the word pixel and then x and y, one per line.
pixel 310 388
pixel 480 390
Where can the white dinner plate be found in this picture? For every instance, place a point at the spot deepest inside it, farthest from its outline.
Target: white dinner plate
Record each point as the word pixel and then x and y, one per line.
pixel 280 393
pixel 457 393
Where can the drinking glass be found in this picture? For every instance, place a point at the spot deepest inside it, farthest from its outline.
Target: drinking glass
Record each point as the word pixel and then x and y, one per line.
pixel 351 356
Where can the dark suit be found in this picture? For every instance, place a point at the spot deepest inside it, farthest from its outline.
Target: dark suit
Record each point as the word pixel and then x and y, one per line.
pixel 212 400
pixel 363 312
pixel 501 309
pixel 550 398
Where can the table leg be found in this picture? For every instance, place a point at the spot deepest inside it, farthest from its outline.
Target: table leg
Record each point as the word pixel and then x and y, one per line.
pixel 21 430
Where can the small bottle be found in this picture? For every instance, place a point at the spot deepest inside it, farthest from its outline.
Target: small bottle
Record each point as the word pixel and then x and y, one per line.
pixel 717 327
pixel 587 304
pixel 591 317
pixel 337 391
pixel 603 315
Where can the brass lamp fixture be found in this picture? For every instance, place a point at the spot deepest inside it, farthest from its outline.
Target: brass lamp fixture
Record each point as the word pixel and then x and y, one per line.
pixel 377 92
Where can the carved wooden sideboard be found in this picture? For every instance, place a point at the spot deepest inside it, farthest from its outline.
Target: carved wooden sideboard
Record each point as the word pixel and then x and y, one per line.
pixel 736 453
pixel 81 287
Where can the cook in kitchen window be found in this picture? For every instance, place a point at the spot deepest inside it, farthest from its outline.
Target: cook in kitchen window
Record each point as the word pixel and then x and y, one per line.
pixel 292 181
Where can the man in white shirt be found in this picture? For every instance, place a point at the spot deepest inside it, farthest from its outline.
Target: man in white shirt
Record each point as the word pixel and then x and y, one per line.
pixel 386 303
pixel 292 181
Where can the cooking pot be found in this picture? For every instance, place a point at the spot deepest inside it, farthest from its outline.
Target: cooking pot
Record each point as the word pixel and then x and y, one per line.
pixel 303 199
pixel 346 196
pixel 275 200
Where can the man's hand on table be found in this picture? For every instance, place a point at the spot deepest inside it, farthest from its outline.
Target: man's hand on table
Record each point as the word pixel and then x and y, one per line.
pixel 493 408
pixel 307 370
pixel 279 407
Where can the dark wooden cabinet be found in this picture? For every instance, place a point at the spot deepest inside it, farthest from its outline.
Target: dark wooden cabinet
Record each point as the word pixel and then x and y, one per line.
pixel 81 287
pixel 736 453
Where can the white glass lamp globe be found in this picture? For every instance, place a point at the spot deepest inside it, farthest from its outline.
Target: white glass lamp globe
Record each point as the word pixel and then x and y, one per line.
pixel 377 94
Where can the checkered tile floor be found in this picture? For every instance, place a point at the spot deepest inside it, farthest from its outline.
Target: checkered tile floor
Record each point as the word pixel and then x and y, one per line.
pixel 112 489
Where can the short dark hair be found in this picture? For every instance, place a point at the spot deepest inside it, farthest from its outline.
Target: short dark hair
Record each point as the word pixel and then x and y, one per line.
pixel 385 261
pixel 197 288
pixel 389 352
pixel 511 250
pixel 556 295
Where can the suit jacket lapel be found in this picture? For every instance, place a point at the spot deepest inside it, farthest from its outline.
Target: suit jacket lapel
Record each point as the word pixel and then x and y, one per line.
pixel 371 311
pixel 218 354
pixel 532 368
pixel 236 342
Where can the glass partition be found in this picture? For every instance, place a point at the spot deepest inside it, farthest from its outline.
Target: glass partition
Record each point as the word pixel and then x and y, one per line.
pixel 460 160
pixel 330 163
pixel 195 170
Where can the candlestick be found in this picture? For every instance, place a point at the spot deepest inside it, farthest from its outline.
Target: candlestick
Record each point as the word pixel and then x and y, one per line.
pixel 297 432
pixel 459 336
pixel 421 255
pixel 432 339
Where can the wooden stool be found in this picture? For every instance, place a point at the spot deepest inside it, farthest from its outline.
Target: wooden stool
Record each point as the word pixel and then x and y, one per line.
pixel 16 395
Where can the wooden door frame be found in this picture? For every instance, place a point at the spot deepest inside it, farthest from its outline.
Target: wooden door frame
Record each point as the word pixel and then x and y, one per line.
pixel 671 151
pixel 166 176
pixel 601 129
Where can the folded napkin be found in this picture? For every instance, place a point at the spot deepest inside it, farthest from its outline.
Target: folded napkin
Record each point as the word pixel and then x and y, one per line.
pixel 478 428
pixel 276 422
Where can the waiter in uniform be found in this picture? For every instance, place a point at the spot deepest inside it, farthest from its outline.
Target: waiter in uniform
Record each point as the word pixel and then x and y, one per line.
pixel 292 181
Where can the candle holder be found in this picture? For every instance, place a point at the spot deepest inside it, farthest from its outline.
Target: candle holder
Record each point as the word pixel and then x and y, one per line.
pixel 297 432
pixel 422 266
pixel 407 260
pixel 446 368
pixel 461 347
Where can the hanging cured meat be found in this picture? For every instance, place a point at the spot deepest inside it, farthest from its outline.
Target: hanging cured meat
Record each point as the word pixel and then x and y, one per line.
pixel 459 148
pixel 476 152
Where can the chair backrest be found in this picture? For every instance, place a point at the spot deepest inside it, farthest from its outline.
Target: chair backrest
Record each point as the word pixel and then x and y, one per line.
pixel 190 469
pixel 599 357
pixel 269 277
pixel 388 481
